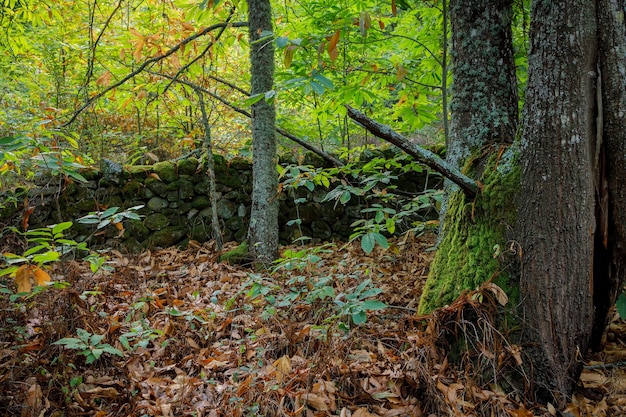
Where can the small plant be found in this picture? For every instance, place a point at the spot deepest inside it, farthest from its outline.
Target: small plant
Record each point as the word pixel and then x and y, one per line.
pixel 356 302
pixel 88 345
pixel 48 245
pixel 111 217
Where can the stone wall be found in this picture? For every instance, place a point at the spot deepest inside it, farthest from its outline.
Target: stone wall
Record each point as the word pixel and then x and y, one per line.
pixel 176 203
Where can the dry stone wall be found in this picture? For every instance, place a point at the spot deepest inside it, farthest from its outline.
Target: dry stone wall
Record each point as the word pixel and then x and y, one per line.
pixel 175 196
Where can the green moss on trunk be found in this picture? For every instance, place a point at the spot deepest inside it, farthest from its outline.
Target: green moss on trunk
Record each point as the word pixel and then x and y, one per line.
pixel 477 234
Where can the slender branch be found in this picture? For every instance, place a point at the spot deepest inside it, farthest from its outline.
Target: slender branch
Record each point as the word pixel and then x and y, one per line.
pixel 468 185
pixel 336 162
pixel 152 61
pixel 207 146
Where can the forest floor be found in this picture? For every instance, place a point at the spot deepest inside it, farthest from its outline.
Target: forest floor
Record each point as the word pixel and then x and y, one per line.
pixel 202 338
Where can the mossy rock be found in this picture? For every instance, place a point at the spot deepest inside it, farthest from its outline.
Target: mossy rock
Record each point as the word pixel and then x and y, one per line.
pixel 238 255
pixel 135 229
pixel 157 186
pixel 138 171
pixel 187 166
pixel 132 188
pixel 166 170
pixel 156 221
pixel 157 204
pixel 475 232
pixel 168 236
pixel 240 164
pixel 311 158
pixel 219 163
pixel 185 190
pixel 231 180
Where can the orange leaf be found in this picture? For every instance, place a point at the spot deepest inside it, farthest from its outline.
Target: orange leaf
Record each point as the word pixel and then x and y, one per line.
pixel 104 79
pixel 41 277
pixel 381 24
pixel 394 9
pixel 155 176
pixel 26 217
pixel 334 40
pixel 22 279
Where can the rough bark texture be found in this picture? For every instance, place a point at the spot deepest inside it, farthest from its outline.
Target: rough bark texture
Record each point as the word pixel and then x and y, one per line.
pixel 484 117
pixel 263 230
pixel 484 102
pixel 611 186
pixel 556 214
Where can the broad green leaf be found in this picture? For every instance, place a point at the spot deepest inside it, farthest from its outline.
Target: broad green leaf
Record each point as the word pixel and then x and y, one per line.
pixel 373 305
pixel 359 318
pixel 367 243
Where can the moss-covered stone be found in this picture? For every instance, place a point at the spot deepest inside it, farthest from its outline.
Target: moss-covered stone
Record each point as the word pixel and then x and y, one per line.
pixel 168 236
pixel 156 221
pixel 187 166
pixel 135 229
pixel 158 187
pixel 138 171
pixel 185 190
pixel 166 170
pixel 238 255
pixel 240 164
pixel 476 232
pixel 157 204
pixel 132 188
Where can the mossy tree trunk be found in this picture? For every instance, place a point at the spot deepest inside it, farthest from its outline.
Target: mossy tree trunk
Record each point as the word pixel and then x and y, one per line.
pixel 569 222
pixel 484 117
pixel 263 229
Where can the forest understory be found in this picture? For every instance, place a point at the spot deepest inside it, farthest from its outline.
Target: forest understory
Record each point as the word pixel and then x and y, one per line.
pixel 196 337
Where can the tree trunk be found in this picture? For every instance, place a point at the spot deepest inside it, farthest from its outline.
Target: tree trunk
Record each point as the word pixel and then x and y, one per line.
pixel 556 214
pixel 610 187
pixel 484 117
pixel 263 229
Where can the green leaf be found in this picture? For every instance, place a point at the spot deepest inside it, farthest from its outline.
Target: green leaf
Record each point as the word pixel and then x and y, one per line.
pixel 621 305
pixel 359 318
pixel 113 351
pixel 373 305
pixel 58 228
pixel 367 243
pixel 49 256
pixel 381 240
pixel 71 343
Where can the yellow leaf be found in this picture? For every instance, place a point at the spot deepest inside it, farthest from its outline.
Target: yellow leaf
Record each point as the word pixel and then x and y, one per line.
pixel 402 72
pixel 283 368
pixel 289 52
pixel 41 277
pixel 22 279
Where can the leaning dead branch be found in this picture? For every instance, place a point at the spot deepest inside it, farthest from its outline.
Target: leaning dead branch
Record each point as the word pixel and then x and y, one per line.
pixel 469 186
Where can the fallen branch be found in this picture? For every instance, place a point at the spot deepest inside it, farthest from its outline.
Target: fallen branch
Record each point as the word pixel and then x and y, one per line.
pixel 468 185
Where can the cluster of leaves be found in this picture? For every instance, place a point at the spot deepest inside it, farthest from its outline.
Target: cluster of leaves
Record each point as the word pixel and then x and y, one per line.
pixel 372 182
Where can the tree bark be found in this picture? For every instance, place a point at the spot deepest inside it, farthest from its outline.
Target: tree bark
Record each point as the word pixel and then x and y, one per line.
pixel 263 229
pixel 610 262
pixel 556 214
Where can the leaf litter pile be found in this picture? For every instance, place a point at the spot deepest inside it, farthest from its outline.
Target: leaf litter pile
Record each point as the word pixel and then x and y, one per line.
pixel 176 333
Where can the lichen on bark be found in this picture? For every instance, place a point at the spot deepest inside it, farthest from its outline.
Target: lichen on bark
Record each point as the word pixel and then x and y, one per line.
pixel 477 245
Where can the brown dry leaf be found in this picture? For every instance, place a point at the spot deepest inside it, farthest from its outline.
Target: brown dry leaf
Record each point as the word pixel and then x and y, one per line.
pixel 318 402
pixel 33 404
pixel 498 292
pixel 363 412
pixel 592 379
pixel 41 277
pixel 22 279
pixel 283 368
pixel 104 80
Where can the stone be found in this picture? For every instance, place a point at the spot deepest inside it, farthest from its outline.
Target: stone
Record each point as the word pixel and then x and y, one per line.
pixel 226 209
pixel 187 166
pixel 185 190
pixel 200 202
pixel 156 221
pixel 240 164
pixel 166 170
pixel 320 229
pixel 168 236
pixel 136 229
pixel 158 187
pixel 157 204
pixel 111 171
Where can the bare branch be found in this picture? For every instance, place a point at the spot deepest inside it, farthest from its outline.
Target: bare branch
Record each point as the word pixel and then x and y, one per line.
pixel 152 61
pixel 336 162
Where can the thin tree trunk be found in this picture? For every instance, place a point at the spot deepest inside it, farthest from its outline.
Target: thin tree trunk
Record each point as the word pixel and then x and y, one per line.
pixel 207 147
pixel 263 229
pixel 556 215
